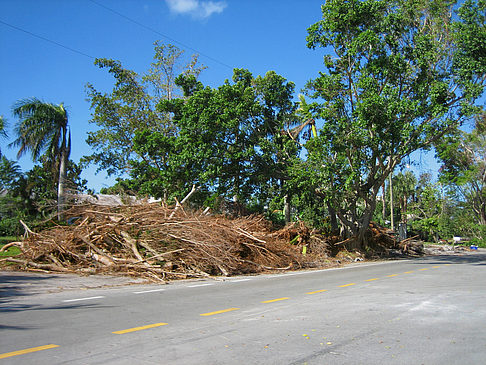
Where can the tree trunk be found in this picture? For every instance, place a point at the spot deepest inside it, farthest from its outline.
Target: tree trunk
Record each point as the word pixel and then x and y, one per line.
pixel 332 217
pixel 391 204
pixel 287 208
pixel 384 203
pixel 61 186
pixel 61 194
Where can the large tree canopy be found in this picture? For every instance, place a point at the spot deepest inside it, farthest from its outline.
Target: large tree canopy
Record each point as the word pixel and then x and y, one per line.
pixel 130 106
pixel 464 167
pixel 228 140
pixel 401 74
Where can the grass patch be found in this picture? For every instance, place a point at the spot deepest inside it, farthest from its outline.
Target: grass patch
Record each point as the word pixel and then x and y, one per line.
pixel 8 239
pixel 12 251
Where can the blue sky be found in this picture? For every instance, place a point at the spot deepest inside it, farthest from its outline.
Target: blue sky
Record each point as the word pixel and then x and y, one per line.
pixel 260 35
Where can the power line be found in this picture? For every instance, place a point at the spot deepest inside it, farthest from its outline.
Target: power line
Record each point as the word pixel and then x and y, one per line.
pixel 161 34
pixel 47 40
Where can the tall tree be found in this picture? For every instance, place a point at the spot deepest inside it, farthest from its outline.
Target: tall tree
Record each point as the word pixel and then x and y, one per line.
pixel 464 167
pixel 43 128
pixel 404 185
pixel 229 139
pixel 401 74
pixel 130 107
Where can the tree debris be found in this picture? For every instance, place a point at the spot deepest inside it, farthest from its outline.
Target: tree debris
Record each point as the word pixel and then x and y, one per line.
pixel 160 243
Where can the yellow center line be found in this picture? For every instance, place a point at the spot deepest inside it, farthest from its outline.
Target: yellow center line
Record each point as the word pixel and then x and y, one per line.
pixel 392 275
pixel 423 269
pixel 218 312
pixel 27 351
pixel 275 300
pixel 317 291
pixel 373 279
pixel 139 328
pixel 345 285
pixel 408 272
pixel 435 267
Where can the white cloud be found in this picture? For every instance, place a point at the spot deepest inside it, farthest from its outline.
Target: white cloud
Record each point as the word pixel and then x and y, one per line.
pixel 200 9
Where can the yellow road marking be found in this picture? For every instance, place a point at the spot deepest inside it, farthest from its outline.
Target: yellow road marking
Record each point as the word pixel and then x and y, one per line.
pixel 317 291
pixel 275 300
pixel 27 351
pixel 392 275
pixel 345 285
pixel 218 312
pixel 373 279
pixel 408 272
pixel 423 269
pixel 435 267
pixel 139 328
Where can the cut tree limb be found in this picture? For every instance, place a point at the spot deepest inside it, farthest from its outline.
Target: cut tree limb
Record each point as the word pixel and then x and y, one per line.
pixel 179 205
pixel 8 245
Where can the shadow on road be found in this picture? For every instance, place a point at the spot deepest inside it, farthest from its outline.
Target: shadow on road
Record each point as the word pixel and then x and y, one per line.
pixel 468 258
pixel 20 284
pixel 5 308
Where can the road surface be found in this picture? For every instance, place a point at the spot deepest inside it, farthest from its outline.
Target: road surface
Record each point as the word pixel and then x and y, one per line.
pixel 423 311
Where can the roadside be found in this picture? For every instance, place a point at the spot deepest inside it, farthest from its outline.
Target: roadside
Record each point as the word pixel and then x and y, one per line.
pixel 20 283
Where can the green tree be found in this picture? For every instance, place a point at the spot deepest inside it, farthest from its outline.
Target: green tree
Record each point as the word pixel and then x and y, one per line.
pixel 3 132
pixel 404 186
pixel 401 74
pixel 229 140
pixel 32 196
pixel 464 168
pixel 130 107
pixel 43 128
pixel 10 173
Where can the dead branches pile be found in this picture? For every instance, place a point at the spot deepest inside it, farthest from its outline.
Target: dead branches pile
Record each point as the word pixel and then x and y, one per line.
pixel 384 239
pixel 156 242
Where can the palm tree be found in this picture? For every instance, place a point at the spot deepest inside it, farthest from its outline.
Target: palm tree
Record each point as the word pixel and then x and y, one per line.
pixel 43 129
pixel 3 133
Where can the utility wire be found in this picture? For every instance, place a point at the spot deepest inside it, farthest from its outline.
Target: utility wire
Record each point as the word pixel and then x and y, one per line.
pixel 47 40
pixel 161 34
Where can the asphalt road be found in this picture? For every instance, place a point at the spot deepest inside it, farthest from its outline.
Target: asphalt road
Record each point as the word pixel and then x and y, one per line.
pixel 423 311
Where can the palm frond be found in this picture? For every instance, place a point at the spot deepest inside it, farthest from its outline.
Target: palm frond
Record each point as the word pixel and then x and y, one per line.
pixel 41 127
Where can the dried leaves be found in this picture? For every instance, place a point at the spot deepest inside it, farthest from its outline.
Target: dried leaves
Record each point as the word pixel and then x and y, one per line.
pixel 158 243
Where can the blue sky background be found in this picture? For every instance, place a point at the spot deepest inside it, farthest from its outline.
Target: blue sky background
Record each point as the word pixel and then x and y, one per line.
pixel 260 35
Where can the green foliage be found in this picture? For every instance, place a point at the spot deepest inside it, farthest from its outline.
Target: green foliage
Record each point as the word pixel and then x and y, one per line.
pixel 130 107
pixel 400 77
pixel 228 141
pixel 43 131
pixel 463 171
pixel 31 197
pixel 3 132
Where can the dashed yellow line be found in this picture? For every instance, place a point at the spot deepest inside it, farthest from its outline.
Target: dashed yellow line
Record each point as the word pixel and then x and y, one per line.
pixel 275 300
pixel 373 279
pixel 408 272
pixel 435 267
pixel 27 351
pixel 139 328
pixel 392 275
pixel 425 268
pixel 345 285
pixel 218 312
pixel 317 291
